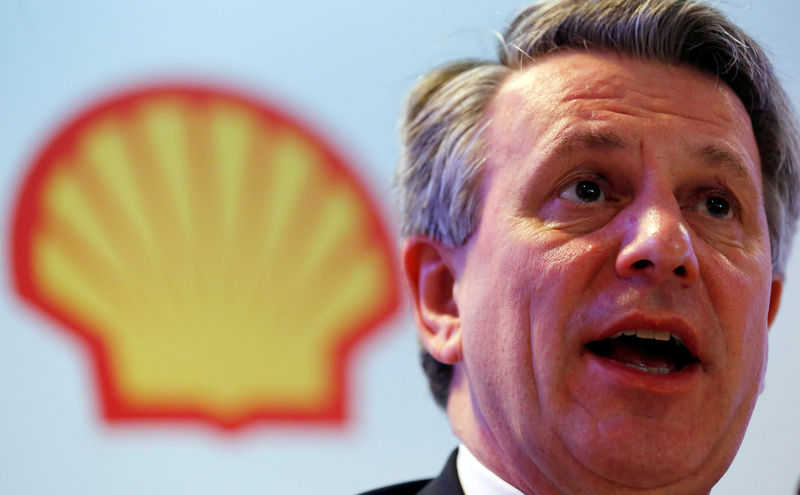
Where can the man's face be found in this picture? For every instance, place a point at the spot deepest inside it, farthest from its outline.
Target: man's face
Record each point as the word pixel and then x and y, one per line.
pixel 613 302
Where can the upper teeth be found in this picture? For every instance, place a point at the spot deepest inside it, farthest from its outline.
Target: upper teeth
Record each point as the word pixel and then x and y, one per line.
pixel 648 334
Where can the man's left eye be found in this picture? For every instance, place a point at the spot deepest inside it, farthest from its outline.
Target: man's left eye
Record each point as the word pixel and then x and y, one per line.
pixel 584 191
pixel 716 206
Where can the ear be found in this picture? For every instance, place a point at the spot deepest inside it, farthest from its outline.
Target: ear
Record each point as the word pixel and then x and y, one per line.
pixel 774 299
pixel 430 278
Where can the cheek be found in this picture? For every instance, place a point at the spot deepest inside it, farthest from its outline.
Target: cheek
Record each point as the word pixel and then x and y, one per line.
pixel 493 301
pixel 571 280
pixel 497 360
pixel 520 298
pixel 740 301
pixel 506 288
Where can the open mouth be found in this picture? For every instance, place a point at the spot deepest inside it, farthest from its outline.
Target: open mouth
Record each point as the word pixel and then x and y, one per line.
pixel 650 351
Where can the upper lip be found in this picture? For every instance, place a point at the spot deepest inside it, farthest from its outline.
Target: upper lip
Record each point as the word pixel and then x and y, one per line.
pixel 639 321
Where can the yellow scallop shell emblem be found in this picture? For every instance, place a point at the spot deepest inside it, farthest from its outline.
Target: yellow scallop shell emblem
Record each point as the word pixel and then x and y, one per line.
pixel 217 257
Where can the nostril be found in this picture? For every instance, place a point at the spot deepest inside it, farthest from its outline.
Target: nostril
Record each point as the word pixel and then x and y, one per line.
pixel 680 271
pixel 641 264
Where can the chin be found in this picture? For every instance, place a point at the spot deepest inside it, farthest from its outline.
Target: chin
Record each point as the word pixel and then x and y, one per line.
pixel 634 453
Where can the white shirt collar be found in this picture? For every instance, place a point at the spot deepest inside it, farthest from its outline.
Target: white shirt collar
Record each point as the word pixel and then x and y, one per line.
pixel 477 479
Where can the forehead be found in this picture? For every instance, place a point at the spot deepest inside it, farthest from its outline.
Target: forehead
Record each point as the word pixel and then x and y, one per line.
pixel 579 92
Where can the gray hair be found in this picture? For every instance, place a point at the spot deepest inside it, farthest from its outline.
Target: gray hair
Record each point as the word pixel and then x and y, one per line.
pixel 438 178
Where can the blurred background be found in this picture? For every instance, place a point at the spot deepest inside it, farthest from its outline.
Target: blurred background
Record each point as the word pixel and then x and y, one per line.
pixel 340 69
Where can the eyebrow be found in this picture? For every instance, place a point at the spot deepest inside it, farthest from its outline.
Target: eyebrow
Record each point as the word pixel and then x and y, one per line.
pixel 605 140
pixel 718 157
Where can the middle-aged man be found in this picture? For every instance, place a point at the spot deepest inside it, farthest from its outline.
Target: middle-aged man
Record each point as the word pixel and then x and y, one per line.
pixel 596 229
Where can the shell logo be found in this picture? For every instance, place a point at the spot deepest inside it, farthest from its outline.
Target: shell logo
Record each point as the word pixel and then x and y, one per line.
pixel 219 260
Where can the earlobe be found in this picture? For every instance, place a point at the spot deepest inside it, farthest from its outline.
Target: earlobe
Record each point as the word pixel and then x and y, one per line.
pixel 430 280
pixel 774 299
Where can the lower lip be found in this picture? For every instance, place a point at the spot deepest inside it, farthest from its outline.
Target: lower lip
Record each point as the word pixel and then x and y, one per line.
pixel 604 371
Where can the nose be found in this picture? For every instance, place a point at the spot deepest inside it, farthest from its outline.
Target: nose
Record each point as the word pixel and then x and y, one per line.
pixel 658 246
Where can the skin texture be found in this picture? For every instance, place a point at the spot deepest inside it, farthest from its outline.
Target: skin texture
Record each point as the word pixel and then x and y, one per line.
pixel 547 271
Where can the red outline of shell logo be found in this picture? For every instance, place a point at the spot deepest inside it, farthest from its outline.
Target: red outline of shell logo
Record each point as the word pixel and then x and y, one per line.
pixel 218 258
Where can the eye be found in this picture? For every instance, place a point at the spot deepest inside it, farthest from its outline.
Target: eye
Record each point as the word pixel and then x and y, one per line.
pixel 716 206
pixel 584 191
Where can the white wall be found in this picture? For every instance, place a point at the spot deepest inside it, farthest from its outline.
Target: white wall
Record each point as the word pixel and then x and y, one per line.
pixel 343 66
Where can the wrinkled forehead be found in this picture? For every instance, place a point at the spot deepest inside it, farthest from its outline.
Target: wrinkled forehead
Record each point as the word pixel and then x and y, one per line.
pixel 577 87
pixel 570 76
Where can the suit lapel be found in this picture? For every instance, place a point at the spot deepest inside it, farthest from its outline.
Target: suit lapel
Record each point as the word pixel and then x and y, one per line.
pixel 447 483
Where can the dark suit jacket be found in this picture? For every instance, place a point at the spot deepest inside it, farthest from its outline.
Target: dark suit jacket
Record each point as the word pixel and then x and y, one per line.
pixel 446 484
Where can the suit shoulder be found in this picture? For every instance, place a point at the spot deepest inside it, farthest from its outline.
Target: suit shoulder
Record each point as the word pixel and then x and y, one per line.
pixel 408 488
